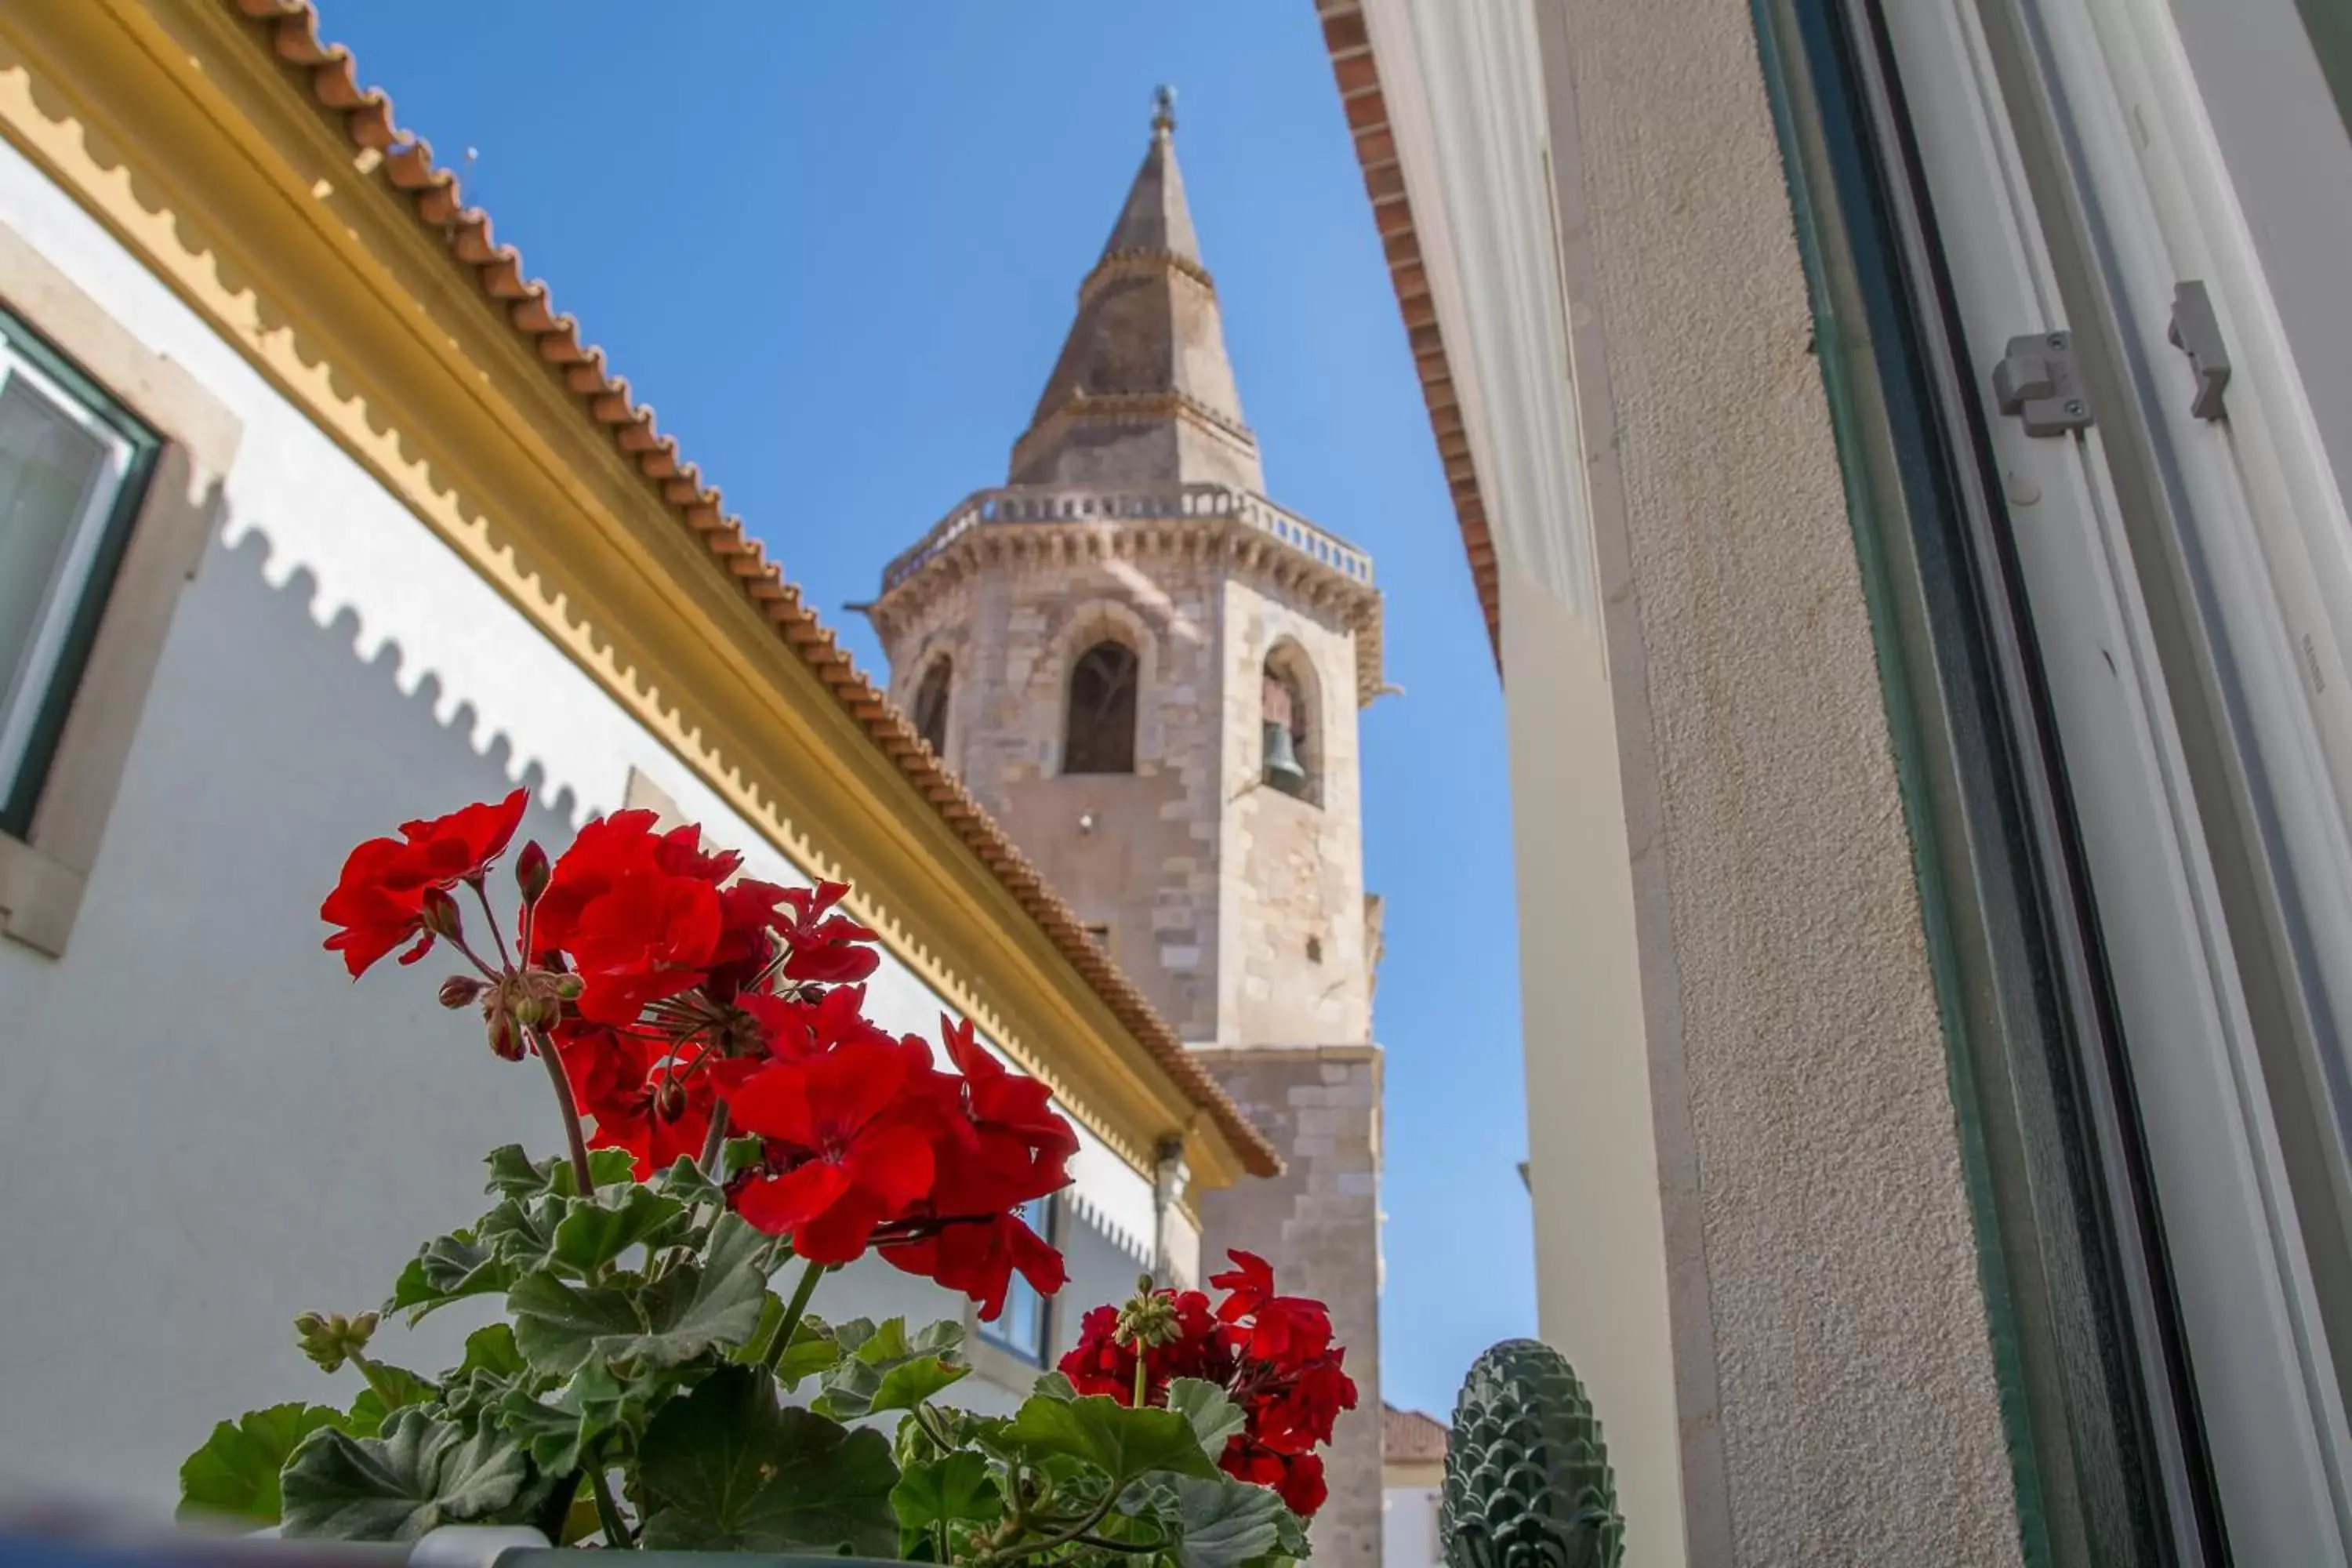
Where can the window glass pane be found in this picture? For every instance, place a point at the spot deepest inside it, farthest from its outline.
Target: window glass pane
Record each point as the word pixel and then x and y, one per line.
pixel 67 462
pixel 56 476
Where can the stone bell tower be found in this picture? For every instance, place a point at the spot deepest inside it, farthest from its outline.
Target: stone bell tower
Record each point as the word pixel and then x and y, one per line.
pixel 1151 674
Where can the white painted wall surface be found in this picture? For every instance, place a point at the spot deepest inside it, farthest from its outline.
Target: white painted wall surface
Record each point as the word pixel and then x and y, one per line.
pixel 1409 1537
pixel 204 1127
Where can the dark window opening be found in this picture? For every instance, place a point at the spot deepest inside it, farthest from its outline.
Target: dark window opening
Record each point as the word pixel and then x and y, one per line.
pixel 1099 737
pixel 931 705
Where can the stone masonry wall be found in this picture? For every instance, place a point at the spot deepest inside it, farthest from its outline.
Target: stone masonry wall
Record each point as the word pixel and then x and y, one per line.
pixel 1318 1225
pixel 1146 868
pixel 1295 969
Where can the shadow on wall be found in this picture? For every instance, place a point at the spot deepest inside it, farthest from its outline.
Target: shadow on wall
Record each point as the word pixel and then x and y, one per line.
pixel 278 348
pixel 205 1126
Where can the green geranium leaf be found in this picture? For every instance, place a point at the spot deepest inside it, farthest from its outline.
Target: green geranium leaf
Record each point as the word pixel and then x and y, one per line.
pixel 521 1232
pixel 492 1369
pixel 912 1382
pixel 595 1232
pixel 891 1369
pixel 729 1470
pixel 742 1153
pixel 1225 1522
pixel 813 1350
pixel 713 1304
pixel 1054 1385
pixel 956 1488
pixel 236 1471
pixel 559 1325
pixel 596 1402
pixel 492 1351
pixel 1291 1536
pixel 685 1181
pixel 450 1269
pixel 1121 1442
pixel 1215 1419
pixel 420 1475
pixel 389 1388
pixel 514 1174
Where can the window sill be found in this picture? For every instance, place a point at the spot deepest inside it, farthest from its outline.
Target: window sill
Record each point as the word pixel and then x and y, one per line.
pixel 39 896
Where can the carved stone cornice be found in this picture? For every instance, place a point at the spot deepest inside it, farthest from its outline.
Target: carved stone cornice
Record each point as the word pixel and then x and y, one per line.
pixel 1334 589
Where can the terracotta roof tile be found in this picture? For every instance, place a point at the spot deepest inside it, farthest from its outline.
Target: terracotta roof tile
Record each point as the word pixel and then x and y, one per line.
pixel 289 28
pixel 1408 1435
pixel 1357 72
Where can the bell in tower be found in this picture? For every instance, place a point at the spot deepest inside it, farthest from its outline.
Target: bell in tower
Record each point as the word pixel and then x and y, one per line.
pixel 1150 673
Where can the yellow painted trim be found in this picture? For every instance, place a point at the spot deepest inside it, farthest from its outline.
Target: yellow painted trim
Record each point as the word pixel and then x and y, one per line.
pixel 201 153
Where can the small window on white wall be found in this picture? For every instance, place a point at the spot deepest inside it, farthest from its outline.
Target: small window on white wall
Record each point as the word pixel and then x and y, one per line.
pixel 1026 1327
pixel 73 465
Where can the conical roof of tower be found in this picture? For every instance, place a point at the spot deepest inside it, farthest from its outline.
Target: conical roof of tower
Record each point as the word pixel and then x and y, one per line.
pixel 1143 393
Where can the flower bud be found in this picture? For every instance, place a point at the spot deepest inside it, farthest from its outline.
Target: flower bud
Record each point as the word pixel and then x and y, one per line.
pixel 439 914
pixel 532 872
pixel 569 986
pixel 331 1339
pixel 1149 1319
pixel 460 991
pixel 506 1039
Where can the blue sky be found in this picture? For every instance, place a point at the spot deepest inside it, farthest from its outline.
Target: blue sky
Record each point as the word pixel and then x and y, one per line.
pixel 836 246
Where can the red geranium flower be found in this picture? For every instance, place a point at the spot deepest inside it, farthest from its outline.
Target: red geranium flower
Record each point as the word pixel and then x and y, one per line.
pixel 1281 1328
pixel 638 915
pixel 1290 1400
pixel 379 903
pixel 798 1027
pixel 644 1096
pixel 843 1156
pixel 832 951
pixel 979 1257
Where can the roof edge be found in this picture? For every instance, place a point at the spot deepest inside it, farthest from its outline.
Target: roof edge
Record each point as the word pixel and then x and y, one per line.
pixel 288 30
pixel 1357 74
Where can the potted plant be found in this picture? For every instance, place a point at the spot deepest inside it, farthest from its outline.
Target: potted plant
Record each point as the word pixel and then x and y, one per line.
pixel 731 1117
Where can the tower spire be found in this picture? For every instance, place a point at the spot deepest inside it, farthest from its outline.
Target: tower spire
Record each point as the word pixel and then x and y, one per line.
pixel 1143 391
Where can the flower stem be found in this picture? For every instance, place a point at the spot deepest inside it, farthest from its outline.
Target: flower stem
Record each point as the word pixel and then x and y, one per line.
pixel 491 915
pixel 793 1311
pixel 1142 1378
pixel 714 1148
pixel 1073 1532
pixel 564 1102
pixel 608 1512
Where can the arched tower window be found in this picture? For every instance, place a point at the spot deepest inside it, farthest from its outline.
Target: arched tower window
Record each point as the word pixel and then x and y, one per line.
pixel 932 703
pixel 1099 734
pixel 1289 759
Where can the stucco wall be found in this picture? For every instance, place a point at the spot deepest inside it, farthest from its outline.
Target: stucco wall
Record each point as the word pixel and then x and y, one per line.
pixel 204 1127
pixel 1409 1533
pixel 1593 1170
pixel 1830 1330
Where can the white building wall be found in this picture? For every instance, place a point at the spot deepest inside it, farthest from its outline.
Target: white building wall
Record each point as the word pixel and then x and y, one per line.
pixel 1408 1535
pixel 204 1127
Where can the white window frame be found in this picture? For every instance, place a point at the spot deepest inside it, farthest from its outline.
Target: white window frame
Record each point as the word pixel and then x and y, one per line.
pixel 45 867
pixel 2276 1429
pixel 72 579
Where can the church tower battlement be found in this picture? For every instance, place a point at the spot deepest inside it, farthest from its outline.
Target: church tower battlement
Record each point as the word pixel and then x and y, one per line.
pixel 1151 674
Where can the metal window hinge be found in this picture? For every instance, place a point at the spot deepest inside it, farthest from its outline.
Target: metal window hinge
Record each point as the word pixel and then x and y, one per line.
pixel 2196 332
pixel 2036 381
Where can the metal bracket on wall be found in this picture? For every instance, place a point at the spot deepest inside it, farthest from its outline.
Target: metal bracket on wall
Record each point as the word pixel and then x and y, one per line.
pixel 2035 380
pixel 2196 332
